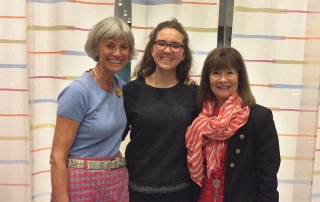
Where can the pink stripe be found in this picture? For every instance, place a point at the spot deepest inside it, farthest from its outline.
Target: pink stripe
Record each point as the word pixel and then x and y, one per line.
pixel 76 28
pixel 299 11
pixel 11 89
pixel 44 171
pixel 14 185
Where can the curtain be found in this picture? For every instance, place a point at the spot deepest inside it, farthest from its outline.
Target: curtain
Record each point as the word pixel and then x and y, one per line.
pixel 280 42
pixel 41 45
pixel 14 136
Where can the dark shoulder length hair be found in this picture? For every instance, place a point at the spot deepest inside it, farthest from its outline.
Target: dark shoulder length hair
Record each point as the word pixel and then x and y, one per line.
pixel 219 59
pixel 147 66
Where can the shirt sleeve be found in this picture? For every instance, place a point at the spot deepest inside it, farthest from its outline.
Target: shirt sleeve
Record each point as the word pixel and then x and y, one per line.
pixel 73 101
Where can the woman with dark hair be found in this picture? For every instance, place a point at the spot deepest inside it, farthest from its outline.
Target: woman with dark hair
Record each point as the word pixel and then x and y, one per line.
pixel 86 164
pixel 159 108
pixel 233 146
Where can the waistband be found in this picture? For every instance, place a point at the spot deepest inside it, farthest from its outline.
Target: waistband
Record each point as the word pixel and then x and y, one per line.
pixel 96 164
pixel 156 190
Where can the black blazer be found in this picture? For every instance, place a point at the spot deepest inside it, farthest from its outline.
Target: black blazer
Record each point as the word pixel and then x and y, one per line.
pixel 253 160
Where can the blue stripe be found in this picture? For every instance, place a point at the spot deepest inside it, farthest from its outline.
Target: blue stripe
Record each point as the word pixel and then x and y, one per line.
pixel 200 52
pixel 14 162
pixel 289 86
pixel 23 66
pixel 79 53
pixel 305 182
pixel 316 195
pixel 256 36
pixel 42 101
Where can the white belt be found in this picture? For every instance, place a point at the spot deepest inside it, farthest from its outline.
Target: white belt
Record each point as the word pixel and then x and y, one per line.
pixel 96 165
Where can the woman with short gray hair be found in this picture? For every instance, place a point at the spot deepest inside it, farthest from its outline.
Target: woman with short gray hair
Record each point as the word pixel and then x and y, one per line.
pixel 86 164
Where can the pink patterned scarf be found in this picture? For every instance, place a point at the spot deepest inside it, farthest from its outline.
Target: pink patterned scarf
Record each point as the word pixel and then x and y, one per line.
pixel 209 131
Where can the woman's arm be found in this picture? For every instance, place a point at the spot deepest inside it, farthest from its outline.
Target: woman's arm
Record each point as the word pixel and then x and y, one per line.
pixel 65 132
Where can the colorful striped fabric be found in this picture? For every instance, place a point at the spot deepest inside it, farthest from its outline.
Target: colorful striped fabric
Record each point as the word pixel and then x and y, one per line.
pixel 41 44
pixel 280 42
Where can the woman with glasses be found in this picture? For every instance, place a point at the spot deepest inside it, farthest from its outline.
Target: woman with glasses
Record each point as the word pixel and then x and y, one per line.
pixel 159 108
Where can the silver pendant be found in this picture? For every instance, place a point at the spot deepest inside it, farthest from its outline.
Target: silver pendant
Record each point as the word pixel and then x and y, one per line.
pixel 216 183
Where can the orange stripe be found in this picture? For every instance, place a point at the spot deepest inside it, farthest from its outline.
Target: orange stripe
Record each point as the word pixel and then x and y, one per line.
pixel 95 3
pixel 14 17
pixel 193 2
pixel 13 114
pixel 138 27
pixel 54 52
pixel 262 85
pixel 40 149
pixel 299 38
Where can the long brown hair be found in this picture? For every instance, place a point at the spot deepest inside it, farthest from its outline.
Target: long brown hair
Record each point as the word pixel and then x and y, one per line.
pixel 147 66
pixel 224 58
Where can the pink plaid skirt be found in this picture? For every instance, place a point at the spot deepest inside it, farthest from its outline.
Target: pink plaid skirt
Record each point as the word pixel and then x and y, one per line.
pixel 98 185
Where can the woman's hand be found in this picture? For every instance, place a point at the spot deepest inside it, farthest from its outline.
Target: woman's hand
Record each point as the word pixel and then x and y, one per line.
pixel 190 81
pixel 64 135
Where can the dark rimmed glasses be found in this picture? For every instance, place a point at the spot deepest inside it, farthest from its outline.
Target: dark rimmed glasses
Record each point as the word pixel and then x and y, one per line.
pixel 162 45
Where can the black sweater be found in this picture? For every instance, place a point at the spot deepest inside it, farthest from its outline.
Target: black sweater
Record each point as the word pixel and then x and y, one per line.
pixel 156 155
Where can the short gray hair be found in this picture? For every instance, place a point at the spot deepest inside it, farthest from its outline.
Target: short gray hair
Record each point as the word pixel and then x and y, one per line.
pixel 109 28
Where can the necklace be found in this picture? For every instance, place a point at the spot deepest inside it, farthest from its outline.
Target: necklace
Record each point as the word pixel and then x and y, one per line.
pixel 158 85
pixel 95 73
pixel 118 90
pixel 216 182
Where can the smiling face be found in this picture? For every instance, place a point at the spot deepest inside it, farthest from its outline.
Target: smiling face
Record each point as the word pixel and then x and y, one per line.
pixel 223 83
pixel 166 59
pixel 113 54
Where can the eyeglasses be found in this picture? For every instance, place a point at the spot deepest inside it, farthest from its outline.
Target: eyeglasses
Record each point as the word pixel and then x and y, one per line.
pixel 162 45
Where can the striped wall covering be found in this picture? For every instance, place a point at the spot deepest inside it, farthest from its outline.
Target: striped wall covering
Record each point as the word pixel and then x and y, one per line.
pixel 41 46
pixel 280 42
pixel 14 128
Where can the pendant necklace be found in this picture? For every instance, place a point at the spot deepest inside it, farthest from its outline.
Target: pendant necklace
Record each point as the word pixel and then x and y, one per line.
pixel 216 185
pixel 216 182
pixel 95 73
pixel 118 90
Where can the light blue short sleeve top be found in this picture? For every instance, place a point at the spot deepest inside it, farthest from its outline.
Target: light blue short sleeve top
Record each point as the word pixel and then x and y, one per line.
pixel 101 116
